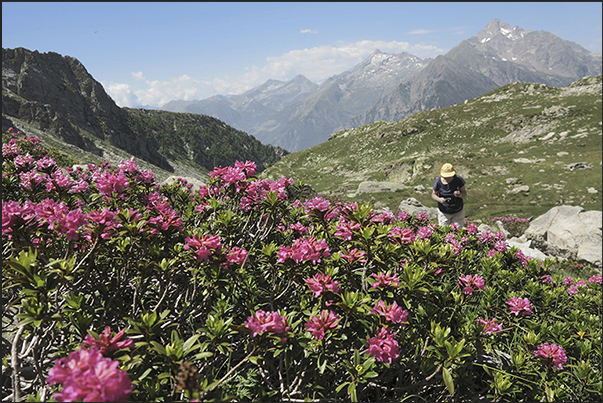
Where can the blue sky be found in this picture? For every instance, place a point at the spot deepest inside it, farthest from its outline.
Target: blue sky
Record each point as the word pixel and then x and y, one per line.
pixel 148 53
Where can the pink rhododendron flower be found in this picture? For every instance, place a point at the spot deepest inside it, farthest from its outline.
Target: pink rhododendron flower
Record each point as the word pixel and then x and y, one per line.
pixel 384 217
pixel 572 290
pixel 345 229
pixel 568 281
pixel 392 313
pixel 354 255
pixel 108 344
pixel 470 283
pixel 424 233
pixel 501 246
pixel 204 246
pixel 318 324
pixel 299 228
pixel 472 229
pixel 595 279
pixel 424 217
pixel 249 167
pixel 486 237
pixel 490 326
pixel 262 321
pixel 236 255
pixel 519 305
pixel 385 279
pixel 320 283
pixel 108 183
pixel 404 216
pixel 88 376
pixel 304 249
pixel 317 203
pixel 383 347
pixel 402 235
pixel 552 352
pixel 547 279
pixel 581 283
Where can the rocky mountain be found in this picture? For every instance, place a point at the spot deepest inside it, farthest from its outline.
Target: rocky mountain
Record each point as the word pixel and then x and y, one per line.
pixel 251 110
pixel 298 114
pixel 55 95
pixel 498 55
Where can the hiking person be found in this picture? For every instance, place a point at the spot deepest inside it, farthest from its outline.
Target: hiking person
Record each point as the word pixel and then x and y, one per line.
pixel 449 191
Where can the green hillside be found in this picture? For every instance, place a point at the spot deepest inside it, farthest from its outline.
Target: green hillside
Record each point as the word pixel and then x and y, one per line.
pixel 521 134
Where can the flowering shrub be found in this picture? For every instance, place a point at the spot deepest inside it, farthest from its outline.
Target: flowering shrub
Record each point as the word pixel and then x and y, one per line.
pixel 236 291
pixel 516 226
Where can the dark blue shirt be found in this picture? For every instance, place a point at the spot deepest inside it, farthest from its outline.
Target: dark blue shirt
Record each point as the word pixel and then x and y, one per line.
pixel 446 191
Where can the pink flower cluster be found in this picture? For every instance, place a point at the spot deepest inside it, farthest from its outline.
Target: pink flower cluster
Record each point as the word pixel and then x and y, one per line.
pixel 256 191
pixel 236 255
pixel 318 324
pixel 385 279
pixel 489 325
pixel 86 375
pixel 470 283
pixel 392 313
pixel 320 283
pixel 204 246
pixel 402 235
pixel 519 305
pixel 384 346
pixel 262 321
pixel 304 249
pixel 355 255
pixel 108 344
pixel 345 229
pixel 552 352
pixel 595 279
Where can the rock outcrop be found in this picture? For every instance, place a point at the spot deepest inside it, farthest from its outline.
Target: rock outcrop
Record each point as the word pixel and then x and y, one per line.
pixel 568 232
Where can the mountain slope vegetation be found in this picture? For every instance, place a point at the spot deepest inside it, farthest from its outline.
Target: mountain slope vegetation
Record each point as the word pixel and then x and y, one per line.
pixel 54 98
pixel 522 148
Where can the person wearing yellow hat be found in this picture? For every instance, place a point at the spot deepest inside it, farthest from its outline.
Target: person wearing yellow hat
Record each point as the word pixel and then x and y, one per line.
pixel 449 191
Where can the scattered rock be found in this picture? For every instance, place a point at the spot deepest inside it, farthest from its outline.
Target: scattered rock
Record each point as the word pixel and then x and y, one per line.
pixel 578 165
pixel 592 190
pixel 519 190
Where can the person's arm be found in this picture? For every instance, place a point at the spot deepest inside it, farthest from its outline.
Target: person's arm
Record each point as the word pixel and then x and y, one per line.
pixel 461 192
pixel 436 197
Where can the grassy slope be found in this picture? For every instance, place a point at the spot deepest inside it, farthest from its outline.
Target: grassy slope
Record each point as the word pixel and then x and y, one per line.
pixel 470 135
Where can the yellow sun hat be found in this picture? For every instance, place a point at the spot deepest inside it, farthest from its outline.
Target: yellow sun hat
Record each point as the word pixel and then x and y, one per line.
pixel 447 171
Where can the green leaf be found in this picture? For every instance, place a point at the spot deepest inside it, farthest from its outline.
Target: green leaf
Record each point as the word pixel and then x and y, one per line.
pixel 343 385
pixel 448 380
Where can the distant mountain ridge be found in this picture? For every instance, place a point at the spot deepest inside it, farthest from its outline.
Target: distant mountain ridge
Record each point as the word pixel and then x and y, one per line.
pixel 298 113
pixel 391 87
pixel 56 95
pixel 498 55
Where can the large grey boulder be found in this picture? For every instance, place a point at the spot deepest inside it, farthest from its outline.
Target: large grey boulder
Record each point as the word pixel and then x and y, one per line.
pixel 568 232
pixel 414 207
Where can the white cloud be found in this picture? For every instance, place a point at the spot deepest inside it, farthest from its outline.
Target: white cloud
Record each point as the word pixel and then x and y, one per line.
pixel 317 64
pixel 420 32
pixel 308 31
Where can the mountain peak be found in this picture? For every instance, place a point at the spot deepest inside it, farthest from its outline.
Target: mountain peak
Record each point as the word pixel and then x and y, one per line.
pixel 499 29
